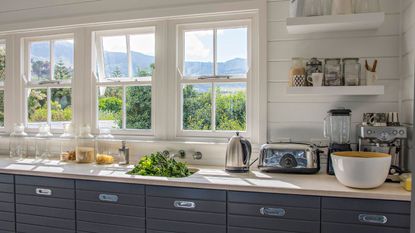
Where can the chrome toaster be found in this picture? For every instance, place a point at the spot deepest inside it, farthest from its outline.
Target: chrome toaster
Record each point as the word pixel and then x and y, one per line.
pixel 299 158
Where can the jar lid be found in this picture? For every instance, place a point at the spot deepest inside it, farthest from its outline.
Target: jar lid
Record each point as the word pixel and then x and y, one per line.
pixel 44 131
pixel 18 130
pixel 340 112
pixel 68 131
pixel 355 59
pixel 105 133
pixel 85 132
pixel 314 61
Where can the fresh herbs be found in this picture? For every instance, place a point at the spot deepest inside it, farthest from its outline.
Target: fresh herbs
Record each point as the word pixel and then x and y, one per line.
pixel 157 164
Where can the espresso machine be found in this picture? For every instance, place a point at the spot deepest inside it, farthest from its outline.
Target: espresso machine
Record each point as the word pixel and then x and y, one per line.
pixel 386 139
pixel 337 128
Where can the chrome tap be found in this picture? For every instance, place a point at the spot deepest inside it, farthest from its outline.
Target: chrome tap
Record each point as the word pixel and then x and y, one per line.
pixel 124 153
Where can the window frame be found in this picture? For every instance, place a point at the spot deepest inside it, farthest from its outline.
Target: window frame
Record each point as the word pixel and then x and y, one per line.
pixel 210 24
pixel 3 84
pixel 98 61
pixel 29 85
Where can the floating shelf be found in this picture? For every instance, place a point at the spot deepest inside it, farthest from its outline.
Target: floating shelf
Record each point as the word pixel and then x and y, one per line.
pixel 333 23
pixel 349 90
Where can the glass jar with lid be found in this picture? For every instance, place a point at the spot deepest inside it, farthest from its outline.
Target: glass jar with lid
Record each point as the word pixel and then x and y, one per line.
pixel 332 72
pixel 351 71
pixel 107 153
pixel 43 143
pixel 18 142
pixel 85 145
pixel 68 144
pixel 297 70
pixel 313 66
pixel 366 6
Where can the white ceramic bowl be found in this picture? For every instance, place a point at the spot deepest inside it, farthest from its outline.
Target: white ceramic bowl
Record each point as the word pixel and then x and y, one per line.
pixel 363 170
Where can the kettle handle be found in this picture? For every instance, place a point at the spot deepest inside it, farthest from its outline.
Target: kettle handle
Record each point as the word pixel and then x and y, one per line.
pixel 246 150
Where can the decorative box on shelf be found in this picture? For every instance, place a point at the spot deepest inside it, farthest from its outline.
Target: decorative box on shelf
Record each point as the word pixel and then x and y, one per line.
pixel 340 90
pixel 333 23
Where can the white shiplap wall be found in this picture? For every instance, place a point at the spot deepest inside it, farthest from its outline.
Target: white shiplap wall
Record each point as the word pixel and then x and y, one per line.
pixel 408 62
pixel 301 117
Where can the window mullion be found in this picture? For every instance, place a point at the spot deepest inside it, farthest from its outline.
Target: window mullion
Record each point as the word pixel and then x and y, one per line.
pixel 49 105
pixel 130 70
pixel 52 59
pixel 124 114
pixel 213 84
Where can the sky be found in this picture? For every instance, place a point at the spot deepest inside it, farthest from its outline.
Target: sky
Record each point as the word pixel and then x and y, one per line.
pixel 142 43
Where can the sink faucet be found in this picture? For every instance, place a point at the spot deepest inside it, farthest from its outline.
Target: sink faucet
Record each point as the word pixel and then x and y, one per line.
pixel 124 153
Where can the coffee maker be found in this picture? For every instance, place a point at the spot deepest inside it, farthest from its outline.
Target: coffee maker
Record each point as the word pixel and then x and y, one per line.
pixel 386 139
pixel 337 128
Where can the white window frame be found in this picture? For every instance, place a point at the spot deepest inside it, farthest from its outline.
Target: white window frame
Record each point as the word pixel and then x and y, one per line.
pixel 98 60
pixel 28 84
pixel 209 24
pixel 3 84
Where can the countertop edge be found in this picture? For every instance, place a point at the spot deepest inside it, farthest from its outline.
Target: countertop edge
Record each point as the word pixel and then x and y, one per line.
pixel 227 187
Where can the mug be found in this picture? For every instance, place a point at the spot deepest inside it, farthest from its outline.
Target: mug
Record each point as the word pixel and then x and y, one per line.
pixel 299 81
pixel 316 79
pixel 371 78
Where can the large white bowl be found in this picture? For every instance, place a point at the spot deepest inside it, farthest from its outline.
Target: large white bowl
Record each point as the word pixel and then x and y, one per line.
pixel 363 170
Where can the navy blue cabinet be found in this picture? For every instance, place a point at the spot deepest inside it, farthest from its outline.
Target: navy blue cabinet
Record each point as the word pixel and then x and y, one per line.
pixel 7 214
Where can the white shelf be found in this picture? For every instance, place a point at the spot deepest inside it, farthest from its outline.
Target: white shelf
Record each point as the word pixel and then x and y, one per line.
pixel 343 90
pixel 333 23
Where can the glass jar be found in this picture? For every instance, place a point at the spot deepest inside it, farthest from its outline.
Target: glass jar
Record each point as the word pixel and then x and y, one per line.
pixel 313 66
pixel 297 69
pixel 366 6
pixel 85 146
pixel 313 8
pixel 332 72
pixel 68 144
pixel 43 143
pixel 18 142
pixel 341 7
pixel 351 71
pixel 106 154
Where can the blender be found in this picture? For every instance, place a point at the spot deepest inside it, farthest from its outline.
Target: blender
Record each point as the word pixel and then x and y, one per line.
pixel 337 128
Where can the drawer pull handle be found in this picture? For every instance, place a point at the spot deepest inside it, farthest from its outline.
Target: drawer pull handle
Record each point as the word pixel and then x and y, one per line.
pixel 377 219
pixel 185 204
pixel 275 212
pixel 108 197
pixel 43 192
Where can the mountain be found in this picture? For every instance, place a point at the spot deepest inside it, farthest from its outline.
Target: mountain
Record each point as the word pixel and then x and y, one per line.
pixel 40 51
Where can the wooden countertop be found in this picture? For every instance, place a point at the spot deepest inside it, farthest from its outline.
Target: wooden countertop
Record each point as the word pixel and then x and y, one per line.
pixel 207 177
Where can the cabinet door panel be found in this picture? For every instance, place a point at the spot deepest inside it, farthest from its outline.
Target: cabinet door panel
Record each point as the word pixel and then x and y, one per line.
pixel 110 197
pixel 45 201
pixel 380 206
pixel 7 197
pixel 187 193
pixel 27 228
pixel 274 199
pixel 251 230
pixel 7 206
pixel 6 188
pixel 45 181
pixel 8 179
pixel 44 191
pixel 118 220
pixel 183 227
pixel 45 211
pixel 349 228
pixel 6 226
pixel 110 187
pixel 116 209
pixel 179 215
pixel 45 221
pixel 105 228
pixel 6 216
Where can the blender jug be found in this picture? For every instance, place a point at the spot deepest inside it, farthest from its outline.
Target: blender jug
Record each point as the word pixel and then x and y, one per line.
pixel 337 128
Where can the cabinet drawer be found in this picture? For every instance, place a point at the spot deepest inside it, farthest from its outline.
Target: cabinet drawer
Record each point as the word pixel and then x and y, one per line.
pixel 105 228
pixel 27 228
pixel 366 218
pixel 6 226
pixel 45 191
pixel 277 212
pixel 6 188
pixel 7 197
pixel 45 221
pixel 7 207
pixel 275 199
pixel 178 215
pixel 45 201
pixel 2 231
pixel 186 193
pixel 110 187
pixel 6 216
pixel 110 197
pixel 109 208
pixel 349 228
pixel 118 220
pixel 186 204
pixel 379 206
pixel 45 211
pixel 250 230
pixel 45 181
pixel 8 179
pixel 183 227
pixel 274 224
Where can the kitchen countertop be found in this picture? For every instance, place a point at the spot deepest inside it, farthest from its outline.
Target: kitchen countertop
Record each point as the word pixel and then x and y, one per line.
pixel 207 177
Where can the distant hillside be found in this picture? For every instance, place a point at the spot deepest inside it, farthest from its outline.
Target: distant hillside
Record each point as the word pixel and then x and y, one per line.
pixel 116 59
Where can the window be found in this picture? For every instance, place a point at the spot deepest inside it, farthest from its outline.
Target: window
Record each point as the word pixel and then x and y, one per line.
pixel 214 76
pixel 50 69
pixel 125 66
pixel 2 79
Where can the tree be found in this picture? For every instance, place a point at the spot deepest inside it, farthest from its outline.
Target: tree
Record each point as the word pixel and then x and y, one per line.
pixel 138 107
pixel 62 72
pixel 116 73
pixel 197 109
pixel 2 64
pixel 40 69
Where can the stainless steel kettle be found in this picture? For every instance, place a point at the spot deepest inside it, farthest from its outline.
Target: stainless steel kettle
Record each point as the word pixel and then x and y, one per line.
pixel 238 154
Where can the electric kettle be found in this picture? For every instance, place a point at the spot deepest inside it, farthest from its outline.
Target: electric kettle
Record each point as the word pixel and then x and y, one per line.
pixel 238 154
